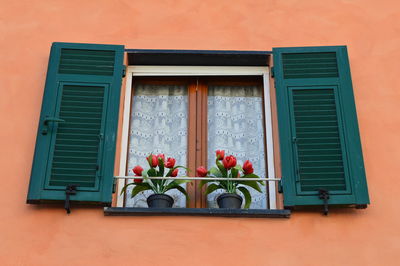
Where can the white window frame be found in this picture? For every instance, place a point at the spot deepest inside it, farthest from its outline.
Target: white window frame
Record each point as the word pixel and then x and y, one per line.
pixel 144 71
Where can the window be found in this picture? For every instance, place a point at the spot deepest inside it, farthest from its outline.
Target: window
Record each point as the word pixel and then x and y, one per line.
pixel 319 143
pixel 196 95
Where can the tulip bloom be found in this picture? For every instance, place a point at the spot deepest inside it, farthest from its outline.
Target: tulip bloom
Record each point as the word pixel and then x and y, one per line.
pixel 174 173
pixel 220 154
pixel 248 167
pixel 170 163
pixel 137 180
pixel 153 160
pixel 229 162
pixel 162 156
pixel 137 170
pixel 201 171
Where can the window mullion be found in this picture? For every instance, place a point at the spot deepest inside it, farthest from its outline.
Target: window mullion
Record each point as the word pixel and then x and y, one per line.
pixel 192 140
pixel 202 136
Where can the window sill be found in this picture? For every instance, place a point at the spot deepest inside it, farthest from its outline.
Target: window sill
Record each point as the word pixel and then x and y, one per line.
pixel 249 213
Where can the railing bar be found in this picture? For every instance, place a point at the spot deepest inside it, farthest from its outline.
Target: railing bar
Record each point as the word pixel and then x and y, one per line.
pixel 199 178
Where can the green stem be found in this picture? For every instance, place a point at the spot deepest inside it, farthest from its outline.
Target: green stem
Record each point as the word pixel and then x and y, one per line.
pixel 150 182
pixel 162 185
pixel 229 182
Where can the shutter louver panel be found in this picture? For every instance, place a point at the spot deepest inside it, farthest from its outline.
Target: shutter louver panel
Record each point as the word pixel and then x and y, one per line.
pixel 319 141
pixel 319 150
pixel 82 110
pixel 76 137
pixel 309 65
pixel 87 62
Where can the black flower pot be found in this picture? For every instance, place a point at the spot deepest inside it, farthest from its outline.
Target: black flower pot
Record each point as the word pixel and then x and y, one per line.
pixel 229 201
pixel 160 201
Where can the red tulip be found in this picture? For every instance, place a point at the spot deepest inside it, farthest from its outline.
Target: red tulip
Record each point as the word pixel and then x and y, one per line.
pixel 162 156
pixel 137 170
pixel 138 181
pixel 153 160
pixel 175 172
pixel 247 167
pixel 170 163
pixel 229 162
pixel 220 154
pixel 201 171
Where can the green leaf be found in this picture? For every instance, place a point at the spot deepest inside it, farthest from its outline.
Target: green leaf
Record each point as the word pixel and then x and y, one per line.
pixel 176 167
pixel 182 190
pixel 183 167
pixel 215 171
pixel 251 176
pixel 152 172
pixel 247 196
pixel 161 167
pixel 211 188
pixel 181 181
pixel 139 188
pixel 125 187
pixel 252 184
pixel 149 160
pixel 234 172
pixel 170 172
pixel 203 182
pixel 144 174
pixel 239 168
pixel 176 182
pixel 254 176
pixel 221 168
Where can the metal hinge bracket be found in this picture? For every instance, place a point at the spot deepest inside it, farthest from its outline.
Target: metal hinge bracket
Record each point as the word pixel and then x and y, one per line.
pixel 69 190
pixel 280 186
pixel 123 71
pixel 324 195
pixel 114 187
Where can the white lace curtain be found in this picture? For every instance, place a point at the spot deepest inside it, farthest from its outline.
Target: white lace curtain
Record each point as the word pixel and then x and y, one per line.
pixel 235 124
pixel 159 125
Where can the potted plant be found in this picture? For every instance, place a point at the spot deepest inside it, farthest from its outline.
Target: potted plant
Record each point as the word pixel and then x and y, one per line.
pixel 227 168
pixel 158 167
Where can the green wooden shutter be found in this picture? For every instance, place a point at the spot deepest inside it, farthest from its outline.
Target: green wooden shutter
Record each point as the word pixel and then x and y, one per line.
pixel 318 130
pixel 77 130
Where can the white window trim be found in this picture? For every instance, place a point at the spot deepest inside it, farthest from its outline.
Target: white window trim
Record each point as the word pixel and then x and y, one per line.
pixel 198 71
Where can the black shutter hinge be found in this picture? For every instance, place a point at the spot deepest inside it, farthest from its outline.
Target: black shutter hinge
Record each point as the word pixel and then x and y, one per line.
pixel 69 190
pixel 272 72
pixel 123 71
pixel 324 195
pixel 280 186
pixel 114 187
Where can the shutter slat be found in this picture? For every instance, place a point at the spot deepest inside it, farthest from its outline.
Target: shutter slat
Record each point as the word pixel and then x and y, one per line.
pixel 309 65
pixel 67 137
pixel 87 62
pixel 74 159
pixel 68 152
pixel 322 123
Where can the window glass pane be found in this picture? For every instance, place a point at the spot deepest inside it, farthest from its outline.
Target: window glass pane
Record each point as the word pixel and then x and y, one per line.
pixel 159 125
pixel 235 124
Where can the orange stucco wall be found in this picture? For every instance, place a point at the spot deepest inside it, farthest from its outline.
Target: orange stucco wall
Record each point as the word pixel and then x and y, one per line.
pixel 31 235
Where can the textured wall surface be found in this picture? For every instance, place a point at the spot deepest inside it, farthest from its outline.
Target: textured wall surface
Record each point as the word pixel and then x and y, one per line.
pixel 32 235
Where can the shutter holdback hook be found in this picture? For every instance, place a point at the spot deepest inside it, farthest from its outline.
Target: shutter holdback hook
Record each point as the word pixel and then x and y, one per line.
pixel 69 190
pixel 324 195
